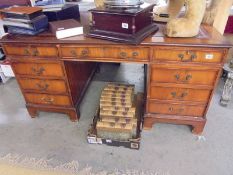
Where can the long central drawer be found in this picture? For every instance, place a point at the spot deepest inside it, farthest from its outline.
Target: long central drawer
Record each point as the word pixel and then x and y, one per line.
pixel 124 53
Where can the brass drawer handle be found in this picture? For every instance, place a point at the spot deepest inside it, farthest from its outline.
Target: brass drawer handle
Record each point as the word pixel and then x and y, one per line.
pixel 38 71
pixel 47 100
pixel 174 95
pixel 177 77
pixel 73 53
pixel 193 56
pixel 123 54
pixel 135 54
pixel 181 56
pixel 187 78
pixel 35 53
pixel 176 111
pixel 42 87
pixel 26 52
pixel 84 52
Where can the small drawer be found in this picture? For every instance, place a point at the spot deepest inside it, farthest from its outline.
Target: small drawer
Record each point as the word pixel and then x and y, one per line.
pixel 138 54
pixel 26 50
pixel 188 55
pixel 176 109
pixel 45 86
pixel 184 76
pixel 180 94
pixel 59 100
pixel 82 52
pixel 49 69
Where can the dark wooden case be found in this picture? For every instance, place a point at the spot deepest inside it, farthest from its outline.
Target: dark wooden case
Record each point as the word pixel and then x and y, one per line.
pixel 122 25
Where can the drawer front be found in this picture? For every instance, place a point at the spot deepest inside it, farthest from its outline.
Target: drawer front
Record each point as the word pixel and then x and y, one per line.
pixel 48 86
pixel 180 94
pixel 139 54
pixel 176 109
pixel 40 51
pixel 182 76
pixel 208 56
pixel 17 50
pixel 44 51
pixel 38 69
pixel 59 100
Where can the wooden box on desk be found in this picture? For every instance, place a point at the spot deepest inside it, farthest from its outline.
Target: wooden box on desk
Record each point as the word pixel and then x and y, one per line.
pixel 123 25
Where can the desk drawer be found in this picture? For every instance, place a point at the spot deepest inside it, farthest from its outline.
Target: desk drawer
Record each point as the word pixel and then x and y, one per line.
pixel 106 53
pixel 26 50
pixel 183 76
pixel 50 69
pixel 180 94
pixel 59 100
pixel 43 86
pixel 176 109
pixel 188 55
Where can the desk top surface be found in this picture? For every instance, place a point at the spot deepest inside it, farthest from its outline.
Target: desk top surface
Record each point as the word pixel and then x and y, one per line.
pixel 208 37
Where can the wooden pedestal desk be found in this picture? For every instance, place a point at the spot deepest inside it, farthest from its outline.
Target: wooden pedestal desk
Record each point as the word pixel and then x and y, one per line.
pixel 182 73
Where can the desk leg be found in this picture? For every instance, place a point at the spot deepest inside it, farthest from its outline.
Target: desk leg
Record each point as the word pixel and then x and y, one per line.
pixel 74 115
pixel 227 90
pixel 32 112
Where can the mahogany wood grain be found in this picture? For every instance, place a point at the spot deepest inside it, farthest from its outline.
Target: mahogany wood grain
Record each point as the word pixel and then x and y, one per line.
pixel 51 69
pixel 183 76
pixel 177 91
pixel 87 52
pixel 176 109
pixel 31 50
pixel 46 99
pixel 181 94
pixel 188 54
pixel 43 86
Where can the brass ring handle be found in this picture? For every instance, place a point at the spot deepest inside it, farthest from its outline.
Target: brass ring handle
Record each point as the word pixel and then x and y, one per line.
pixel 26 52
pixel 135 54
pixel 177 77
pixel 188 77
pixel 174 95
pixel 42 87
pixel 84 52
pixel 181 56
pixel 123 54
pixel 47 100
pixel 73 53
pixel 38 71
pixel 35 52
pixel 176 111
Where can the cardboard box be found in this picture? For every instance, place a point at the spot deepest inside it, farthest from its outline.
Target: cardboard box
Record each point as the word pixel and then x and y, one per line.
pixel 133 143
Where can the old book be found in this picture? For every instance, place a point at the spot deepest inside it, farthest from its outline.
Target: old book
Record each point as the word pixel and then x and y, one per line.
pixel 68 11
pixel 114 126
pixel 23 31
pixel 36 24
pixel 112 103
pixel 22 12
pixel 50 3
pixel 66 28
pixel 119 120
pixel 117 114
pixel 117 108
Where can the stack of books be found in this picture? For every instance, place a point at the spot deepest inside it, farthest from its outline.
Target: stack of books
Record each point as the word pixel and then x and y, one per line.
pixel 117 116
pixel 50 5
pixel 24 20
